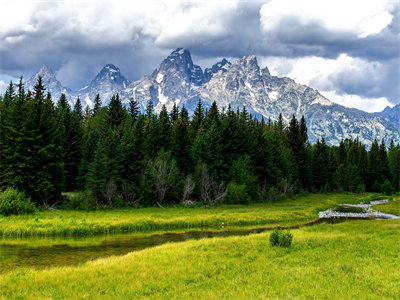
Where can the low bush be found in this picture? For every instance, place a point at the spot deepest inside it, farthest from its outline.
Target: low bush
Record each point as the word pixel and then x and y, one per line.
pixel 387 188
pixel 236 194
pixel 281 238
pixel 349 209
pixel 14 202
pixel 81 201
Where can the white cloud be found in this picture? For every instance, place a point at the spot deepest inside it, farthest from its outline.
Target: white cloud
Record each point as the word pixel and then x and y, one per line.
pixel 3 87
pixel 355 101
pixel 337 79
pixel 359 17
pixel 78 37
pixel 102 21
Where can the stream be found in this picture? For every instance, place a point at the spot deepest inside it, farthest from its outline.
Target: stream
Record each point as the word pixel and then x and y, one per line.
pixel 365 212
pixel 41 253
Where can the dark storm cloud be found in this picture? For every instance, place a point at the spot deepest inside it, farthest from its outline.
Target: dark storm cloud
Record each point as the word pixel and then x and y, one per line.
pixel 77 43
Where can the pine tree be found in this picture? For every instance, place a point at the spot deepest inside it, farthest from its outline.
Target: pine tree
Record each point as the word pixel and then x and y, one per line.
pixel 294 138
pixel 320 161
pixel 383 162
pixel 115 112
pixel 89 148
pixel 63 103
pixel 45 182
pixel 78 109
pixel 181 144
pixel 280 123
pixel 9 94
pixel 391 146
pixel 97 176
pixel 165 128
pixel 374 170
pixel 149 109
pixel 198 117
pixel 133 109
pixel 213 114
pixel 394 165
pixel 174 113
pixel 97 104
pixel 87 114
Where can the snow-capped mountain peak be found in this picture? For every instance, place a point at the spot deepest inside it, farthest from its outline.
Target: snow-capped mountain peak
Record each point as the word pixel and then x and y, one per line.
pixel 107 82
pixel 241 83
pixel 50 81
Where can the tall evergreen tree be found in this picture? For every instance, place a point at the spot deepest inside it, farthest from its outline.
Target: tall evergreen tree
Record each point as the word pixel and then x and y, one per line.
pixel 133 109
pixel 165 129
pixel 198 116
pixel 181 144
pixel 174 113
pixel 115 112
pixel 78 109
pixel 97 104
pixel 149 109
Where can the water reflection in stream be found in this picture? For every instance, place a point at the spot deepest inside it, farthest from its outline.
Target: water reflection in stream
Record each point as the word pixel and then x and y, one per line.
pixel 14 253
pixel 46 252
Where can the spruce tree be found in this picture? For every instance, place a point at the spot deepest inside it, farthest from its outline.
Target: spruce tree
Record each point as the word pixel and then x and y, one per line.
pixel 174 113
pixel 97 104
pixel 198 117
pixel 181 144
pixel 9 94
pixel 46 181
pixel 133 109
pixel 213 114
pixel 374 171
pixel 165 128
pixel 149 109
pixel 78 109
pixel 115 112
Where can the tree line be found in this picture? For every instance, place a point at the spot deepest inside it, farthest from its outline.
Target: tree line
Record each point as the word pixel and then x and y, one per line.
pixel 121 157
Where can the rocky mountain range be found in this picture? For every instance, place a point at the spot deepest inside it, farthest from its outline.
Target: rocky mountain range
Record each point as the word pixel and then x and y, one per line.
pixel 239 84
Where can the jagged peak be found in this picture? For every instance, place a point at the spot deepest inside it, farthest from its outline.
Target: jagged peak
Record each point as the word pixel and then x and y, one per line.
pixel 46 73
pixel 180 51
pixel 266 72
pixel 247 62
pixel 180 54
pixel 46 69
pixel 250 59
pixel 110 68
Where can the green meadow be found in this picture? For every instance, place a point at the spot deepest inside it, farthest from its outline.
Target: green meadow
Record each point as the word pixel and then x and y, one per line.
pixel 289 212
pixel 351 259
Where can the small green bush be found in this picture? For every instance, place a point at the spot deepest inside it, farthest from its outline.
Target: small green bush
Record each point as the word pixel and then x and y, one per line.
pixel 349 209
pixel 119 202
pixel 81 201
pixel 387 188
pixel 236 194
pixel 281 238
pixel 14 202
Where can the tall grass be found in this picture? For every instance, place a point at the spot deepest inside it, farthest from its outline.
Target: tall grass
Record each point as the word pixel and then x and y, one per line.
pixel 299 210
pixel 357 259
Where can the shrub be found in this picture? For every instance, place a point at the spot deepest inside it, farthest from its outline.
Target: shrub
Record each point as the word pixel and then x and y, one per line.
pixel 14 202
pixel 119 202
pixel 281 238
pixel 81 201
pixel 387 188
pixel 349 209
pixel 236 194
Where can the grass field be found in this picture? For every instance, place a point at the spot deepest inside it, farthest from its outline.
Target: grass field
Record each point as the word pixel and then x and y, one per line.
pixel 353 259
pixel 392 207
pixel 357 259
pixel 299 210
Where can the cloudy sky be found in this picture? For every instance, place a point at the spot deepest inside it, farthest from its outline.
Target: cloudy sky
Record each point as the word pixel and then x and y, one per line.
pixel 347 49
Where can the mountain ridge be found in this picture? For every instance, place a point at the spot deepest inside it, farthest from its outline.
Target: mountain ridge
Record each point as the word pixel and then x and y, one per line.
pixel 241 83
